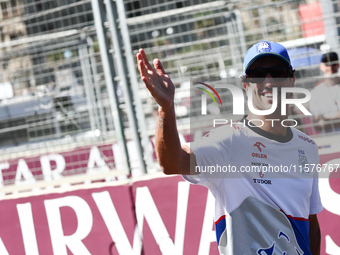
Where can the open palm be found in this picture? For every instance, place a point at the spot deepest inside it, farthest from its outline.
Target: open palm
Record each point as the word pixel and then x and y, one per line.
pixel 156 80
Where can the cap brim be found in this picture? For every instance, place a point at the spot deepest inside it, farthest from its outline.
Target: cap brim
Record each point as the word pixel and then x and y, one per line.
pixel 265 54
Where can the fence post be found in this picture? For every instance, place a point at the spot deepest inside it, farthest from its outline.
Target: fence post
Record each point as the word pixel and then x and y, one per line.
pixel 109 72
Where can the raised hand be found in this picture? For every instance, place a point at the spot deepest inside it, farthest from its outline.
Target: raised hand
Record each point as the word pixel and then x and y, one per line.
pixel 156 80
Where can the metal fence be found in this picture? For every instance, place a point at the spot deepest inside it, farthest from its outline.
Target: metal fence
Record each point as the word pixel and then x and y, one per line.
pixel 208 40
pixel 69 81
pixel 45 49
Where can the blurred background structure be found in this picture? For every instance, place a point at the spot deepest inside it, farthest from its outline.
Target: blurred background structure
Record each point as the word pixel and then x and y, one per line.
pixel 72 107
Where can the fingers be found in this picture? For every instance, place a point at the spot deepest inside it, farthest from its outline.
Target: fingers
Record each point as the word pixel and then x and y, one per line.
pixel 142 56
pixel 143 64
pixel 146 75
pixel 141 68
pixel 158 66
pixel 139 62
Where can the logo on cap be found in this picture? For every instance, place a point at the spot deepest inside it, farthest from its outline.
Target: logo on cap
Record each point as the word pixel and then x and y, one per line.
pixel 263 47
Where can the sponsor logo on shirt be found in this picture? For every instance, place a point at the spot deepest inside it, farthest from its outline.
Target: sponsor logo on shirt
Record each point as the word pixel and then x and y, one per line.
pixel 261 181
pixel 261 174
pixel 306 139
pixel 271 249
pixel 259 155
pixel 258 145
pixel 259 164
pixel 303 161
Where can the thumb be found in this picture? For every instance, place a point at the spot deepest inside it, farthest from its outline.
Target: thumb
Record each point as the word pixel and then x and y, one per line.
pixel 158 66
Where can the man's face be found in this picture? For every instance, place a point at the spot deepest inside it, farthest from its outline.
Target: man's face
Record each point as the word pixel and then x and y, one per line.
pixel 262 91
pixel 328 69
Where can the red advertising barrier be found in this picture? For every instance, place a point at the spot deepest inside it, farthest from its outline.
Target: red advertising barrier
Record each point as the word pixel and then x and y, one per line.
pixel 175 217
pixel 172 216
pixel 81 160
pixel 87 221
pixel 329 218
pixel 53 166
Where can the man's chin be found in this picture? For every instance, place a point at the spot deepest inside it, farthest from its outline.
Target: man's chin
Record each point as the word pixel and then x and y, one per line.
pixel 269 106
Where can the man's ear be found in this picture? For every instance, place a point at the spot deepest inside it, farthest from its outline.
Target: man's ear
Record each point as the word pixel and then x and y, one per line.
pixel 292 80
pixel 245 86
pixel 323 67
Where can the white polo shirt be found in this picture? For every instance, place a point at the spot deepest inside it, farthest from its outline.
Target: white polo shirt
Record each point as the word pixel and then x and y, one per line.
pixel 263 192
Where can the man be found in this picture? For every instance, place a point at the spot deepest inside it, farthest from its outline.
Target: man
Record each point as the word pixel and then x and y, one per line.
pixel 256 213
pixel 325 100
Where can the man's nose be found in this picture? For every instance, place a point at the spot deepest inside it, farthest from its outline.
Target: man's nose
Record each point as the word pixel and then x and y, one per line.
pixel 268 81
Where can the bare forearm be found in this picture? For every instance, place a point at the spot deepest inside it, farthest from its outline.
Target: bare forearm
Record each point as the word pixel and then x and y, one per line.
pixel 171 157
pixel 315 244
pixel 314 235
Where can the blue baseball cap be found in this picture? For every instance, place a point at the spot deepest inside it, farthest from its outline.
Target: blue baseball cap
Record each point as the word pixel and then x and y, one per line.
pixel 265 48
